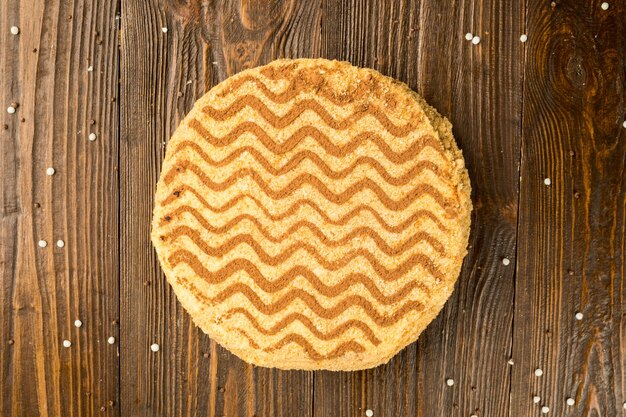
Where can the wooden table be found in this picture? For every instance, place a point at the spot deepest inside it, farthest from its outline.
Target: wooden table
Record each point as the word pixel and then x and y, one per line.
pixel 552 107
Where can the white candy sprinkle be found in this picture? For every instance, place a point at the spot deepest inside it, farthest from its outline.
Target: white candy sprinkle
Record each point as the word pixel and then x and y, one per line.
pixel 60 243
pixel 547 181
pixel 50 171
pixel 90 68
pixel 369 413
pixel 449 382
pixel 92 136
pixel 624 124
pixel 15 30
pixel 476 40
pixel 473 415
pixel 164 29
pixel 570 401
pixel 67 343
pixel 78 323
pixel 536 399
pixel 111 340
pixel 624 406
pixel 468 36
pixel 10 109
pixel 579 316
pixel 538 372
pixel 545 409
pixel 605 6
pixel 42 243
pixel 510 362
pixel 523 38
pixel 506 261
pixel 154 347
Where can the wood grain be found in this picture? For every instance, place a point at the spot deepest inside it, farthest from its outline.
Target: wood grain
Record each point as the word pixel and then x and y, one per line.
pixel 382 36
pixel 189 374
pixel 571 246
pixel 45 71
pixel 552 107
pixel 479 87
pixel 450 72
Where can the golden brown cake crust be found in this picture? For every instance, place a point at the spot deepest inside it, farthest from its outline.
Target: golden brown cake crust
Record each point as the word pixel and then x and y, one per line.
pixel 312 215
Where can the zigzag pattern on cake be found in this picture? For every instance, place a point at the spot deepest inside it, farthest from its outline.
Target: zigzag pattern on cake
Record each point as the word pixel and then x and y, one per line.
pixel 300 157
pixel 274 247
pixel 309 179
pixel 364 231
pixel 283 323
pixel 277 284
pixel 299 107
pixel 291 211
pixel 292 317
pixel 297 86
pixel 331 313
pixel 324 141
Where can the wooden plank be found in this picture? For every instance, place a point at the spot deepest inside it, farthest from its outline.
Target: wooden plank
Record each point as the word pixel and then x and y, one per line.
pixel 44 290
pixel 163 73
pixel 572 244
pixel 479 89
pixel 382 36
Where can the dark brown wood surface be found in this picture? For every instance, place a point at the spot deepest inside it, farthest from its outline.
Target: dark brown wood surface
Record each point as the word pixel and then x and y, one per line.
pixel 552 107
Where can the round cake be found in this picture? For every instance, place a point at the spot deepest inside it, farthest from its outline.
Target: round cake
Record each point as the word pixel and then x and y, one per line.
pixel 312 215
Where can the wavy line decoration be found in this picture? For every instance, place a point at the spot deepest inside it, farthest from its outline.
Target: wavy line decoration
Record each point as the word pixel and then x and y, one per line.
pixel 301 106
pixel 306 322
pixel 413 220
pixel 340 350
pixel 308 214
pixel 299 84
pixel 334 149
pixel 419 190
pixel 300 157
pixel 280 283
pixel 359 232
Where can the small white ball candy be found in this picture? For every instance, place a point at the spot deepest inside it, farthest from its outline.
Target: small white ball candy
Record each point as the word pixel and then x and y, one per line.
pixel 545 409
pixel 476 40
pixel 624 124
pixel 154 347
pixel 536 399
pixel 50 171
pixel 506 261
pixel 547 181
pixel 449 382
pixel 111 340
pixel 369 413
pixel 10 109
pixel 92 136
pixel 468 36
pixel 579 316
pixel 60 243
pixel 67 343
pixel 605 6
pixel 42 243
pixel 523 38
pixel 164 29
pixel 570 401
pixel 510 362
pixel 78 323
pixel 624 406
pixel 538 372
pixel 15 30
